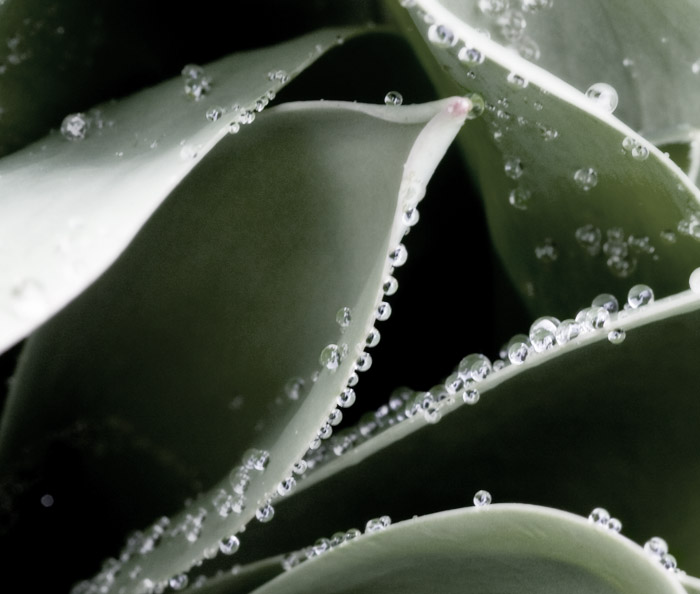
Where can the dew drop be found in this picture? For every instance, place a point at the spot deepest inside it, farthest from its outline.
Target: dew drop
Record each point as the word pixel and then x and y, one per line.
pixel 214 113
pixel 377 524
pixel 599 516
pixel 178 582
pixel 607 301
pixel 478 106
pixel 229 545
pixel 639 296
pixel 254 459
pixel 470 56
pixel 344 317
pixel 516 81
pixel 586 178
pixel 471 396
pixel 293 388
pixel 441 36
pixel 410 216
pixel 265 513
pixel 393 98
pixel 543 333
pixel 513 168
pixel 513 25
pixel 335 417
pixel 493 7
pixel 75 126
pixel 286 486
pixel 390 286
pixel 668 562
pixel 300 467
pixel 331 357
pixel 635 148
pixel 383 311
pixel 347 398
pixel 547 252
pixel 197 83
pixel 615 525
pixel 694 281
pixel 695 67
pixel 535 5
pixel 519 198
pixel 364 362
pixel 278 76
pixel 567 331
pixel 234 128
pixel 399 256
pixel 603 96
pixel 656 546
pixel 617 336
pixel 518 349
pixel 482 498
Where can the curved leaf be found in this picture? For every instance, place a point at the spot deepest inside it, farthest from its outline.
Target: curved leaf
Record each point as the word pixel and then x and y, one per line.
pixel 570 210
pixel 229 292
pixel 507 548
pixel 69 208
pixel 616 424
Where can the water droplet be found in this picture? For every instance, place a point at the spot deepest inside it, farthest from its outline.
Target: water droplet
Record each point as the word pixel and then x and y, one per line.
pixel 519 198
pixel 234 128
pixel 299 467
pixel 617 336
pixel 390 286
pixel 373 338
pixel 535 5
pixel 635 148
pixel 547 134
pixel 393 98
pixel 482 498
pixel 586 178
pixel 47 500
pixel 229 545
pixel 254 459
pixel 513 168
pixel 543 333
pixel 475 367
pixel 286 486
pixel 478 105
pixel 278 76
pixel 293 388
pixel 265 513
pixel 599 516
pixel 547 252
pixel 75 126
pixel 344 317
pixel 214 113
pixel 178 582
pixel 471 396
pixel 347 398
pixel 377 524
pixel 399 256
pixel 603 96
pixel 607 301
pixel 594 318
pixel 695 67
pixel 640 295
pixel 383 311
pixel 527 48
pixel 197 83
pixel 325 431
pixel 331 357
pixel 493 7
pixel 656 546
pixel 668 562
pixel 567 331
pixel 516 81
pixel 470 56
pixel 694 281
pixel 615 525
pixel 513 25
pixel 441 36
pixel 668 236
pixel 335 417
pixel 364 362
pixel 518 349
pixel 410 217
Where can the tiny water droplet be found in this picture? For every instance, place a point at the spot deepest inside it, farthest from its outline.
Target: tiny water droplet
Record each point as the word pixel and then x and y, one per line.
pixel 377 524
pixel 229 545
pixel 567 331
pixel 519 198
pixel 214 113
pixel 331 357
pixel 694 281
pixel 470 56
pixel 286 486
pixel 278 76
pixel 607 301
pixel 265 513
pixel 441 36
pixel 471 396
pixel 517 81
pixel 383 311
pixel 547 252
pixel 373 338
pixel 543 333
pixel 300 467
pixel 639 296
pixel 75 127
pixel 399 256
pixel 656 546
pixel 493 7
pixel 347 398
pixel 589 237
pixel 513 168
pixel 586 178
pixel 393 98
pixel 234 128
pixel 599 516
pixel 410 216
pixel 668 562
pixel 518 349
pixel 603 96
pixel 364 362
pixel 617 336
pixel 482 498
pixel 344 317
pixel 178 582
pixel 478 106
pixel 635 148
pixel 615 525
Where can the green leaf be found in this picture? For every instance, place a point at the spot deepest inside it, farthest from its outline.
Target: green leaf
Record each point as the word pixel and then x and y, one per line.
pixel 583 425
pixel 266 240
pixel 68 209
pixel 502 548
pixel 547 133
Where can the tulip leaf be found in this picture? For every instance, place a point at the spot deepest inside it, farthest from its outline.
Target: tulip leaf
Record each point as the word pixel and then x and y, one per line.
pixel 576 200
pixel 615 423
pixel 230 296
pixel 503 548
pixel 69 208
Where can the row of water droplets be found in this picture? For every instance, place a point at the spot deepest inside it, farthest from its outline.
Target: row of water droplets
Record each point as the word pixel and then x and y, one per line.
pixel 656 546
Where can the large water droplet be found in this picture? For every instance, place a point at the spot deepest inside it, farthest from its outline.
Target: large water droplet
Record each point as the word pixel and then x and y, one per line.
pixel 518 349
pixel 482 498
pixel 656 546
pixel 640 295
pixel 603 96
pixel 543 333
pixel 599 516
pixel 586 178
pixel 229 545
pixel 393 98
pixel 75 126
pixel 390 286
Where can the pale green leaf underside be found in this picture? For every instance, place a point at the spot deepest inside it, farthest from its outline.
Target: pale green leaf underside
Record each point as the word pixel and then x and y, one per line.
pixel 648 51
pixel 615 425
pixel 229 291
pixel 69 208
pixel 505 548
pixel 550 131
